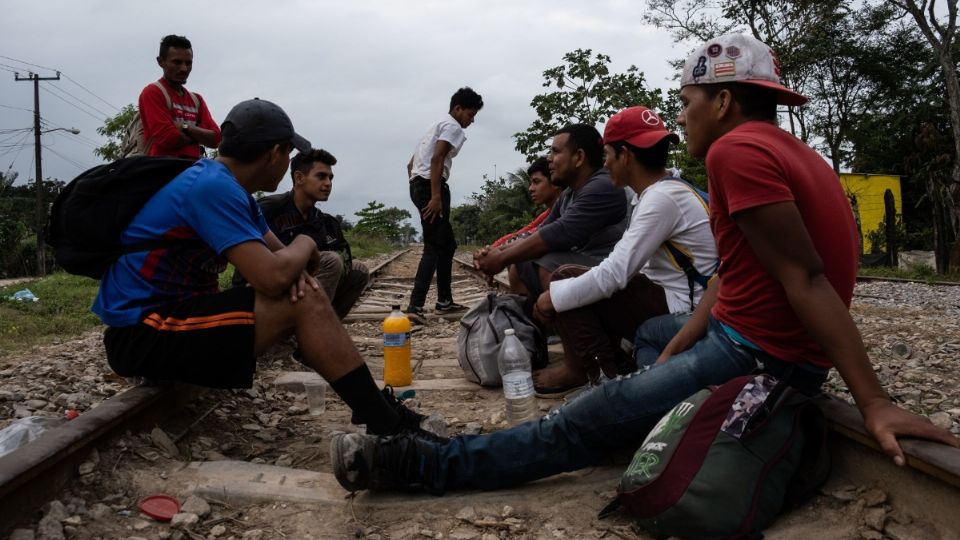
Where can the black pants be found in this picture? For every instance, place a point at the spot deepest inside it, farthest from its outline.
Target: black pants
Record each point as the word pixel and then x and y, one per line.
pixel 438 244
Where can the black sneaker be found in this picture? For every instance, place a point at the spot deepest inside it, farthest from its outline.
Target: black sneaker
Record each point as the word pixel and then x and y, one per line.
pixel 404 461
pixel 416 311
pixel 409 420
pixel 448 306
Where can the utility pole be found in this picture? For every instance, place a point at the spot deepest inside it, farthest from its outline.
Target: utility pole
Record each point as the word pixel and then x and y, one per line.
pixel 41 213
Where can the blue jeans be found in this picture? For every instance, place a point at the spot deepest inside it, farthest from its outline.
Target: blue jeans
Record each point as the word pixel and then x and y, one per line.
pixel 615 415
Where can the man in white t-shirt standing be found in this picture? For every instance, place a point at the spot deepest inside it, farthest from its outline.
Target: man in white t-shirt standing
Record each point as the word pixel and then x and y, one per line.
pixel 428 171
pixel 661 264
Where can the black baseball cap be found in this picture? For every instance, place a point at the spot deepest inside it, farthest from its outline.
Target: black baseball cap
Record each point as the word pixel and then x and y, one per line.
pixel 259 120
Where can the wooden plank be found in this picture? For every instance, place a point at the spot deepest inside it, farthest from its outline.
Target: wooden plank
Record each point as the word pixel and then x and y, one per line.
pixel 293 381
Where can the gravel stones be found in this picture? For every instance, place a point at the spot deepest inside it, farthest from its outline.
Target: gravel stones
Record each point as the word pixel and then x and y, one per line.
pixel 195 505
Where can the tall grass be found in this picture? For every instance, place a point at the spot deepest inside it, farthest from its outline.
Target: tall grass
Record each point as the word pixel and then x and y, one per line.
pixel 919 273
pixel 62 312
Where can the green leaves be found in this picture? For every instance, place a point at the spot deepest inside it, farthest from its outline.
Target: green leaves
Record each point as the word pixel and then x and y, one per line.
pixel 378 220
pixel 114 129
pixel 586 92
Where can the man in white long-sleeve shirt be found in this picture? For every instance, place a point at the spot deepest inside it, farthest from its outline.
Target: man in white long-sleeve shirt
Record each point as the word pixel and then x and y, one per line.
pixel 595 309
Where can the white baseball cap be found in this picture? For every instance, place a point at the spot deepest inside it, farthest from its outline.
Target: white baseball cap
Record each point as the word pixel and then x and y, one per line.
pixel 738 58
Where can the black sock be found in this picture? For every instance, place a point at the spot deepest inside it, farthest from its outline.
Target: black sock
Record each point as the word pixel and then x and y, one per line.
pixel 361 394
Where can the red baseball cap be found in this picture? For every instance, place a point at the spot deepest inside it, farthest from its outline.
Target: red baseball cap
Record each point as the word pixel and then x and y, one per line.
pixel 638 126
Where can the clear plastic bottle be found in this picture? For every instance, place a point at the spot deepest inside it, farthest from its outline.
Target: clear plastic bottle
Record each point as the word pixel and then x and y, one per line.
pixel 396 349
pixel 514 364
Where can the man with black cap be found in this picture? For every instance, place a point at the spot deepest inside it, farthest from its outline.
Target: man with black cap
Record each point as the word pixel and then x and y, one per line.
pixel 166 319
pixel 788 247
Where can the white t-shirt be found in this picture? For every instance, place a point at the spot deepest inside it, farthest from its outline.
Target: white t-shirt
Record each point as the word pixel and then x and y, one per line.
pixel 666 210
pixel 447 129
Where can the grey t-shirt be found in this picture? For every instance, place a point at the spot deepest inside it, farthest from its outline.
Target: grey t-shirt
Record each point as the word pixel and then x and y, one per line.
pixel 588 221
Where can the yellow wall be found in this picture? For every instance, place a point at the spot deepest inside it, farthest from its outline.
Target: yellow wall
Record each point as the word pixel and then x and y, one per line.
pixel 869 190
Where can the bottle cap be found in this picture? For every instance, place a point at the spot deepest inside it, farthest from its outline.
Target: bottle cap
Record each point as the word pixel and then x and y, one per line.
pixel 160 507
pixel 395 307
pixel 509 332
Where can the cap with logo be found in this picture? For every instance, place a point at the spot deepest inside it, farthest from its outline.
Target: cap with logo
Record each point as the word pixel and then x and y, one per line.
pixel 258 120
pixel 638 126
pixel 738 58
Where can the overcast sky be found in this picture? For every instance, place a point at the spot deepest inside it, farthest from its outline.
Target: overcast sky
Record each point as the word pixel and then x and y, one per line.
pixel 362 79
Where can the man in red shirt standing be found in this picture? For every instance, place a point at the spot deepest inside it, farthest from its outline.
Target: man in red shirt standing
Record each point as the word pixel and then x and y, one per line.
pixel 176 121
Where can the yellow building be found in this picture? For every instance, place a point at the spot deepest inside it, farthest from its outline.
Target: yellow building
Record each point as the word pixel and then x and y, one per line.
pixel 865 193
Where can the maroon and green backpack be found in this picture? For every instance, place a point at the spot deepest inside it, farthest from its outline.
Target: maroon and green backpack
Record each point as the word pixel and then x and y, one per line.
pixel 725 461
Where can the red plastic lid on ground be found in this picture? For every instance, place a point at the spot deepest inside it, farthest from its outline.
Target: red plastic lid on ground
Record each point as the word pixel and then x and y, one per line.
pixel 159 507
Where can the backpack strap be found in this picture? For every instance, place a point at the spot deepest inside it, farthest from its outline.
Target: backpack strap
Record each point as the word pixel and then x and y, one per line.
pixel 166 96
pixel 683 261
pixel 681 258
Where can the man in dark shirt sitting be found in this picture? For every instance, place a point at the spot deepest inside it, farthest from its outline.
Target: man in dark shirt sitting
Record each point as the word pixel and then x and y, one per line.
pixel 295 212
pixel 584 225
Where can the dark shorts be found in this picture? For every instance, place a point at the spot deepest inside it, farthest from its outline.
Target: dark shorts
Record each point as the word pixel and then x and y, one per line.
pixel 529 271
pixel 207 340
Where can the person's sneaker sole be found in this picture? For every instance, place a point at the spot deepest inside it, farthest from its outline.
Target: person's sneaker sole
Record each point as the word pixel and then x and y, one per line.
pixel 350 464
pixel 452 308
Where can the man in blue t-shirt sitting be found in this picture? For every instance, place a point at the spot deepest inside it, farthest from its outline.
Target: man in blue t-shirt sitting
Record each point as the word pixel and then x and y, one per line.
pixel 167 319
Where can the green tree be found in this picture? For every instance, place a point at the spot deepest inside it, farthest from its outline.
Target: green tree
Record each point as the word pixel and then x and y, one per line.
pixel 18 223
pixel 585 92
pixel 501 206
pixel 114 130
pixel 944 191
pixel 381 221
pixel 905 97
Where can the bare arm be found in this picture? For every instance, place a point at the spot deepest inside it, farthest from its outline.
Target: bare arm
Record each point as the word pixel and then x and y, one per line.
pixel 780 240
pixel 410 168
pixel 206 137
pixel 494 260
pixel 696 326
pixel 434 208
pixel 272 272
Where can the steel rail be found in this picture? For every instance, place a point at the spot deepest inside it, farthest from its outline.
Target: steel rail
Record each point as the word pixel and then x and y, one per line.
pixel 34 473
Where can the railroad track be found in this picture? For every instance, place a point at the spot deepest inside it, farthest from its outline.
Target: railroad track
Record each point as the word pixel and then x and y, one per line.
pixel 928 488
pixel 905 280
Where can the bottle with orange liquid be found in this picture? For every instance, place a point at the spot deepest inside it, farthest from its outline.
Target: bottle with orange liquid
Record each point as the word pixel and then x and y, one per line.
pixel 396 349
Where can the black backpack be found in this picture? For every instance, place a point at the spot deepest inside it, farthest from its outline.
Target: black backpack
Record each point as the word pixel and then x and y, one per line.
pixel 90 214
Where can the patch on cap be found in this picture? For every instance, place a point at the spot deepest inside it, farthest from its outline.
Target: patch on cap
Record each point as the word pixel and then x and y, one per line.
pixel 701 68
pixel 738 58
pixel 725 69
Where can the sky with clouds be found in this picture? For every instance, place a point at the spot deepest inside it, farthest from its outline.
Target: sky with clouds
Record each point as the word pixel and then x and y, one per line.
pixel 362 79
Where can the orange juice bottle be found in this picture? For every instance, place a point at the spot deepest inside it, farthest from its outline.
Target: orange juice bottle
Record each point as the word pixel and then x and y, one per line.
pixel 396 349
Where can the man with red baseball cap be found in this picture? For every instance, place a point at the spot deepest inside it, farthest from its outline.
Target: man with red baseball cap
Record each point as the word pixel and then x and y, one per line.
pixel 595 309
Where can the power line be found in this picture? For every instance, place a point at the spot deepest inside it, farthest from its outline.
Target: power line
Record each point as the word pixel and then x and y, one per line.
pixel 65 158
pixel 18 149
pixel 88 113
pixel 66 77
pixel 80 100
pixel 14 136
pixel 68 132
pixel 16 108
pixel 27 63
pixel 55 91
pixel 90 92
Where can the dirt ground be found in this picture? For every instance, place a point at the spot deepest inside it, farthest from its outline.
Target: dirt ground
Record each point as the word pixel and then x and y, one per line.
pixel 271 425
